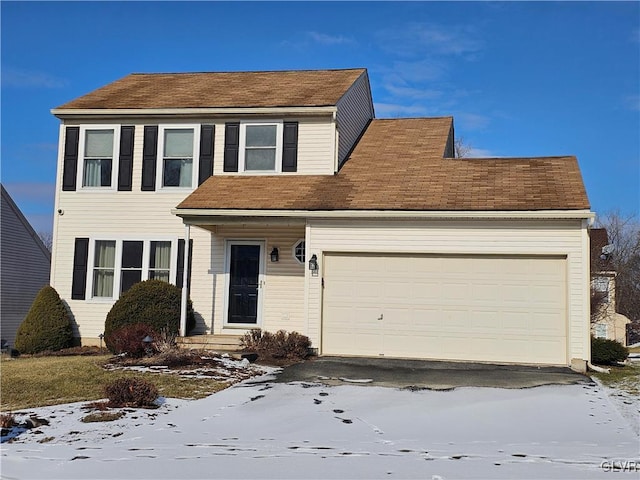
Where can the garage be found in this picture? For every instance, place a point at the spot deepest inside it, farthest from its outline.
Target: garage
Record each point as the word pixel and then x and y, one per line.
pixel 487 308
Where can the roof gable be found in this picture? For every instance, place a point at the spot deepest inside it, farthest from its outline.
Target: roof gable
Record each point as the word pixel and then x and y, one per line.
pixel 294 88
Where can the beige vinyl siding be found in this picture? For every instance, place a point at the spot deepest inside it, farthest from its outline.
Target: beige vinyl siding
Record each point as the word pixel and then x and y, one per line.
pixel 283 292
pixel 133 215
pixel 316 146
pixel 479 237
pixel 355 110
pixel 24 267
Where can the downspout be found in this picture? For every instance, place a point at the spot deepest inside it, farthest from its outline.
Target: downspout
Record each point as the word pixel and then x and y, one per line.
pixel 185 276
pixel 595 368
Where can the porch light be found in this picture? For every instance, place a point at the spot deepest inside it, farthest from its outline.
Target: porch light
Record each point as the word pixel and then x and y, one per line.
pixel 274 254
pixel 313 263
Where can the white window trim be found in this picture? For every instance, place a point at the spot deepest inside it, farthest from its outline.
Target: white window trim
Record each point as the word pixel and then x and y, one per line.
pixel 227 282
pixel 242 144
pixel 160 156
pixel 599 328
pixel 117 274
pixel 115 162
pixel 293 251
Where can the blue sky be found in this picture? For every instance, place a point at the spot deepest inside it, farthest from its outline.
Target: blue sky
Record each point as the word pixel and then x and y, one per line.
pixel 520 79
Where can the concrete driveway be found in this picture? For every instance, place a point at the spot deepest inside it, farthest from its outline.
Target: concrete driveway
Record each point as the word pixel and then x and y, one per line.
pixel 423 374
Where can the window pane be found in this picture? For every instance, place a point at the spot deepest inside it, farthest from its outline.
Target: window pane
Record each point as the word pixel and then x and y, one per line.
pixel 105 254
pixel 99 143
pixel 160 255
pixel 159 275
pixel 129 279
pixel 103 283
pixel 261 159
pixel 103 262
pixel 178 143
pixel 97 173
pixel 261 136
pixel 132 254
pixel 177 173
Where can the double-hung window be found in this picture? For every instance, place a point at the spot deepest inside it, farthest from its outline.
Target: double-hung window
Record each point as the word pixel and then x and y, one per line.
pixel 120 264
pixel 261 146
pixel 98 147
pixel 177 150
pixel 601 285
pixel 104 262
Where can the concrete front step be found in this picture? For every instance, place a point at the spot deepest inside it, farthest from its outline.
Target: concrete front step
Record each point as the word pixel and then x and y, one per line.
pixel 222 343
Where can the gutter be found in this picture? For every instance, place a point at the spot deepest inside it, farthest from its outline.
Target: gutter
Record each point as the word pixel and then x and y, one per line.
pixel 388 214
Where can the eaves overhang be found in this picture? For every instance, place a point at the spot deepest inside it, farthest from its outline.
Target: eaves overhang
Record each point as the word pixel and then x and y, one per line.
pixel 218 216
pixel 68 113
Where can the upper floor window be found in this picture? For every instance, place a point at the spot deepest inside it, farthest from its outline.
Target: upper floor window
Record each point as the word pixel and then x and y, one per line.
pixel 177 153
pixel 261 146
pixel 601 285
pixel 98 157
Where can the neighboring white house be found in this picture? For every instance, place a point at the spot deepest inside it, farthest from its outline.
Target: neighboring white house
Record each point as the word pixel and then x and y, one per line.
pixel 284 204
pixel 24 267
pixel 605 321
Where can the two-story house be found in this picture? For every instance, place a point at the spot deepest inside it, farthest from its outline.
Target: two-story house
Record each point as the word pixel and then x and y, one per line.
pixel 605 321
pixel 282 203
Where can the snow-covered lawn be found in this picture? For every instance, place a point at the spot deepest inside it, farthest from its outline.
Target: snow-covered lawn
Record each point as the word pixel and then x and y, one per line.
pixel 261 429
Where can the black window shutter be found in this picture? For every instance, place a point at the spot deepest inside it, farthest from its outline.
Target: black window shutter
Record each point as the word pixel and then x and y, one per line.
pixel 80 259
pixel 70 164
pixel 290 147
pixel 205 168
pixel 125 169
pixel 231 146
pixel 149 158
pixel 180 269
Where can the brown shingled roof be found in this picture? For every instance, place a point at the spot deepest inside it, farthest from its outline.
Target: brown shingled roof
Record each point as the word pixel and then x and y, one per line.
pixel 398 165
pixel 296 88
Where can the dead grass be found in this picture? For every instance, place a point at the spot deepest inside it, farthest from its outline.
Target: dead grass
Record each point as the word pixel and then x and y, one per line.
pixel 625 378
pixel 29 382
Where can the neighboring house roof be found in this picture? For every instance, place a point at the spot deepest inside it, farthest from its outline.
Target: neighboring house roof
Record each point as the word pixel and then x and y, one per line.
pixel 299 88
pixel 398 165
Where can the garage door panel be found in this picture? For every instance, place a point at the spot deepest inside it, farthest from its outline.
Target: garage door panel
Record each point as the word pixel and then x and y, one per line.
pixel 483 308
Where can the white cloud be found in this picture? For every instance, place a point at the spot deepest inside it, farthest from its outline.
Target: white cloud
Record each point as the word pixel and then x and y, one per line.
pixel 16 77
pixel 412 92
pixel 632 102
pixel 327 39
pixel 386 110
pixel 472 121
pixel 480 153
pixel 430 39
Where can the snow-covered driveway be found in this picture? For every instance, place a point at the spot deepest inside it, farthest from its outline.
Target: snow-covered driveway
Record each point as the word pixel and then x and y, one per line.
pixel 268 430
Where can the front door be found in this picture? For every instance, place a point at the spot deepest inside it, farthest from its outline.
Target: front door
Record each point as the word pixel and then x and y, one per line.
pixel 245 260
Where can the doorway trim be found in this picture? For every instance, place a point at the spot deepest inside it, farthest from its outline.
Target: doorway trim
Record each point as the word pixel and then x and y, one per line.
pixel 227 282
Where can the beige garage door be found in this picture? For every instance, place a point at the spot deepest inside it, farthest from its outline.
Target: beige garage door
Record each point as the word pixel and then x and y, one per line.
pixel 478 308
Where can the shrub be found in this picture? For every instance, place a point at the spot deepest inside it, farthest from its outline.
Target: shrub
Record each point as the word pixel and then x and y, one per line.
pixel 128 340
pixel 47 325
pixel 153 302
pixel 7 420
pixel 279 345
pixel 131 392
pixel 607 352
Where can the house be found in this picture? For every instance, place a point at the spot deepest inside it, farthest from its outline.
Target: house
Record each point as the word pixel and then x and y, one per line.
pixel 281 202
pixel 24 265
pixel 605 321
